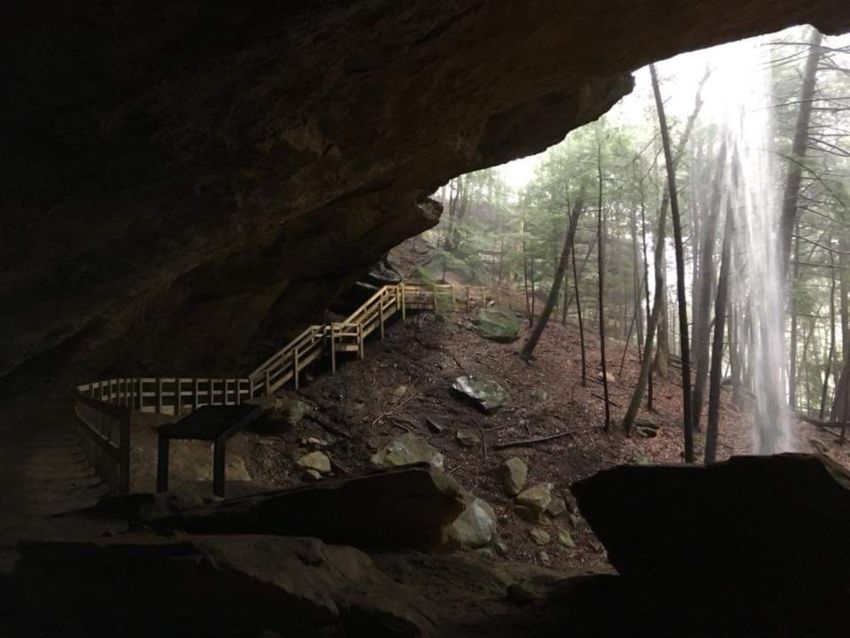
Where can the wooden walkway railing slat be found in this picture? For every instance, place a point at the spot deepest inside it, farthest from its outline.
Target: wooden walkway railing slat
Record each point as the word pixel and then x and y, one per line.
pixel 104 408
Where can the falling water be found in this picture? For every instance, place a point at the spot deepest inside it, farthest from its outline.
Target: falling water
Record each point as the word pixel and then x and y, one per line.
pixel 752 193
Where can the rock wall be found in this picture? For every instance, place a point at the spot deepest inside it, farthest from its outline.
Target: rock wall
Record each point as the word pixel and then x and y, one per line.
pixel 183 182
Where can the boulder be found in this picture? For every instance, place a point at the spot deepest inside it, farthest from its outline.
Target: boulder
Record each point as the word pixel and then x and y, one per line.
pixel 285 409
pixel 316 461
pixel 513 473
pixel 406 450
pixel 566 539
pixel 536 498
pixel 475 527
pixel 399 391
pixel 210 586
pixel 771 532
pixel 498 323
pixel 468 438
pixel 405 507
pixel 557 506
pixel 539 535
pixel 483 392
pixel 539 394
pixel 434 424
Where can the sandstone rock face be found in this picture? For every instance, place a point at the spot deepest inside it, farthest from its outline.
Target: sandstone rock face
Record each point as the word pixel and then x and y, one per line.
pixel 183 183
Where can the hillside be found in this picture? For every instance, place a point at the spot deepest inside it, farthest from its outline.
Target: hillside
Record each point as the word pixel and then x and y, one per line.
pixel 405 381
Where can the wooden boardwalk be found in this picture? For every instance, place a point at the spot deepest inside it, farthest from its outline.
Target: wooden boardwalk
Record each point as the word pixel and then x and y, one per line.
pixel 105 408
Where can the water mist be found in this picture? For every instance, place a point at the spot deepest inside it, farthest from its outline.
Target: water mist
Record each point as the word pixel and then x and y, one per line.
pixel 752 194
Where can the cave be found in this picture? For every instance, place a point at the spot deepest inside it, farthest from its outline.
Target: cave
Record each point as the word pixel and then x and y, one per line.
pixel 187 185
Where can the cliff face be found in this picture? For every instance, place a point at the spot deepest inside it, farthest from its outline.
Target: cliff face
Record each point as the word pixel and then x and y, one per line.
pixel 184 181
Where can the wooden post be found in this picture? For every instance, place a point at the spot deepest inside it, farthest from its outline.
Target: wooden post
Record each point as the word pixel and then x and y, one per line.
pixel 238 391
pixel 124 453
pixel 177 396
pixel 224 385
pixel 159 395
pixel 403 303
pixel 251 387
pixel 435 297
pixel 295 366
pixel 195 393
pixel 333 349
pixel 162 444
pixel 381 310
pixel 219 452
pixel 360 348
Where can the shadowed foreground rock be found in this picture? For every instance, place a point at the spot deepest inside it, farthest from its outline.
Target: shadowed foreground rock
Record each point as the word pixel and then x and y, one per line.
pixel 757 546
pixel 404 508
pixel 753 546
pixel 210 586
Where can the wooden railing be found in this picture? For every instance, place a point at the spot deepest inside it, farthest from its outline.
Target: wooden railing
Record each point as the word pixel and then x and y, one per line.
pixel 106 440
pixel 167 395
pixel 287 363
pixel 105 408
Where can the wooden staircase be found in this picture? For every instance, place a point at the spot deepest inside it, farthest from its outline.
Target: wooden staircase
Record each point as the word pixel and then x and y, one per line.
pixel 348 335
pixel 105 408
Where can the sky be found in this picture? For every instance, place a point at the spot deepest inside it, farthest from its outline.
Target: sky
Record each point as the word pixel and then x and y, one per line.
pixel 680 77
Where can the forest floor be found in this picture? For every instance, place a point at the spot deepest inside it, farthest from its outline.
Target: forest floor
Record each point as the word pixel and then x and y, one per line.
pixel 406 378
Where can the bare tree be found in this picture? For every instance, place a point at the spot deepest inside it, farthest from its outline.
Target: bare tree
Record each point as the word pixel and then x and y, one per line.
pixel 600 253
pixel 578 311
pixel 687 419
pixel 800 145
pixel 528 348
pixel 704 285
pixel 716 373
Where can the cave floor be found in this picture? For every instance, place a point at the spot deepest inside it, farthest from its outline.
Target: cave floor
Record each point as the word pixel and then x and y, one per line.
pixel 43 473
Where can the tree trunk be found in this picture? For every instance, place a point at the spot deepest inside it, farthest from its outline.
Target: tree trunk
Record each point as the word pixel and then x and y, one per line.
pixel 703 290
pixel 734 355
pixel 647 353
pixel 716 374
pixel 799 146
pixel 687 420
pixel 578 311
pixel 831 352
pixel 662 351
pixel 528 348
pixel 525 273
pixel 583 264
pixel 645 374
pixel 636 278
pixel 600 252
pixel 792 308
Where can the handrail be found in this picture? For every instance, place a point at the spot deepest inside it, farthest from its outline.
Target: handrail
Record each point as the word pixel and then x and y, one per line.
pixel 114 400
pixel 91 414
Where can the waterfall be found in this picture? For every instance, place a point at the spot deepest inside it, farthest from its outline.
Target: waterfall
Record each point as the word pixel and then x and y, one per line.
pixel 752 192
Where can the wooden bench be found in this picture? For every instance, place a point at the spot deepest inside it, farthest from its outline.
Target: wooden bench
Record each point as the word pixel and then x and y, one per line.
pixel 216 424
